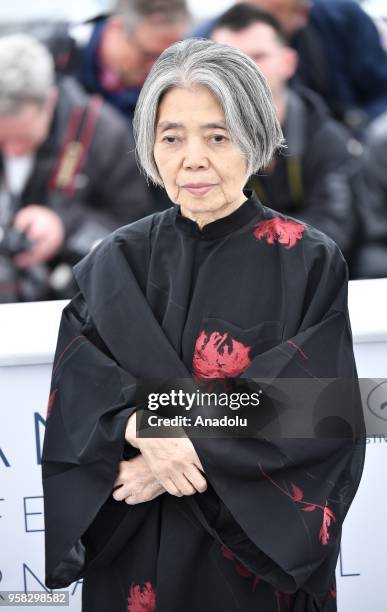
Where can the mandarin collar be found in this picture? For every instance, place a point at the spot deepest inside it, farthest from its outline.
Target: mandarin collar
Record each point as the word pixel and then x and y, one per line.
pixel 219 228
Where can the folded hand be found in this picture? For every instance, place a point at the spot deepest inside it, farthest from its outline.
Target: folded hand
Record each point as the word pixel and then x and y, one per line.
pixel 173 461
pixel 136 482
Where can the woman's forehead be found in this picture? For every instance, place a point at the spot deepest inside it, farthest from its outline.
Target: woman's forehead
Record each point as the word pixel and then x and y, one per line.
pixel 184 104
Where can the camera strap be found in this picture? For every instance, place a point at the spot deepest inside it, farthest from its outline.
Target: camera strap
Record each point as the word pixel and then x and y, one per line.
pixel 76 143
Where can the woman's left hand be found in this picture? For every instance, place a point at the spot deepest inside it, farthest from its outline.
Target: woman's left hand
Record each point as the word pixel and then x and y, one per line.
pixel 174 462
pixel 138 482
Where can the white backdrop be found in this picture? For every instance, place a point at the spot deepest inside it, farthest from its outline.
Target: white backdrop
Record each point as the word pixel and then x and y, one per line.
pixel 28 333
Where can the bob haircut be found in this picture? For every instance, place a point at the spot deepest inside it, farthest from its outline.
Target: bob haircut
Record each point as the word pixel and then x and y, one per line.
pixel 236 82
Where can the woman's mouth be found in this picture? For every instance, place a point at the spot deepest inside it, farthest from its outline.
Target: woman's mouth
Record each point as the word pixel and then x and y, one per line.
pixel 198 189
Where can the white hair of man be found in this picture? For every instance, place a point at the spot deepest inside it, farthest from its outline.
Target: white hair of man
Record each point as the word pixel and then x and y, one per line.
pixel 237 83
pixel 27 72
pixel 134 11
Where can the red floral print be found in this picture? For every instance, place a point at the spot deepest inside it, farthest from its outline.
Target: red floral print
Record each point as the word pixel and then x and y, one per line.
pixel 70 344
pixel 142 599
pixel 218 355
pixel 333 592
pixel 328 516
pixel 226 552
pixel 51 400
pixel 297 496
pixel 241 569
pixel 283 231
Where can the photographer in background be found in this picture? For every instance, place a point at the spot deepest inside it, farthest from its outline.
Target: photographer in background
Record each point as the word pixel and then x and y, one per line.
pixel 318 177
pixel 68 175
pixel 121 47
pixel 341 56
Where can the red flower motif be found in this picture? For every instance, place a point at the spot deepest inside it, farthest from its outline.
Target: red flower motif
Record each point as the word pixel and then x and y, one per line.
pixel 219 356
pixel 297 493
pixel 142 599
pixel 240 569
pixel 226 552
pixel 328 517
pixel 283 231
pixel 298 496
pixel 51 400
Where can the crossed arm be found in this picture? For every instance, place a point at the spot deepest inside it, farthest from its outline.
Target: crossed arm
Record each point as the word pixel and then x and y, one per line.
pixel 168 465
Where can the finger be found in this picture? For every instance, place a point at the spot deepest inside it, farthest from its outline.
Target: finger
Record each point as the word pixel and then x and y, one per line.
pixel 198 463
pixel 117 483
pixel 131 498
pixel 171 488
pixel 196 478
pixel 28 259
pixel 39 253
pixel 23 220
pixel 120 493
pixel 183 484
pixel 25 260
pixel 36 231
pixel 147 494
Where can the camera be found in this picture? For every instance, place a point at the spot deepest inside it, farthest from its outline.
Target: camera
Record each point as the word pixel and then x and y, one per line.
pixel 13 242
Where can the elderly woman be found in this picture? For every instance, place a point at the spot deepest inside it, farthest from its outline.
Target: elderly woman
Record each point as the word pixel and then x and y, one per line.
pixel 216 287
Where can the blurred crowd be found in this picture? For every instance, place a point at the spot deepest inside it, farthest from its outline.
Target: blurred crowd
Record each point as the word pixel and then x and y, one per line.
pixel 68 173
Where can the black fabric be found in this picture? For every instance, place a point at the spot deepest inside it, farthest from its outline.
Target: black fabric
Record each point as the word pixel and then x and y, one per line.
pixel 277 288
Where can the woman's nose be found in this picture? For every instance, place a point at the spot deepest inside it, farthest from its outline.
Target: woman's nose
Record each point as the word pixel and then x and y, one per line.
pixel 195 157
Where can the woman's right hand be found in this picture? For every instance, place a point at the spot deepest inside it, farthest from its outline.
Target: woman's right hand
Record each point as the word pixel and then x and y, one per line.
pixel 173 461
pixel 135 483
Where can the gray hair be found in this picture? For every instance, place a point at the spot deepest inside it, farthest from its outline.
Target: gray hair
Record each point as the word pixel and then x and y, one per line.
pixel 237 83
pixel 134 11
pixel 27 72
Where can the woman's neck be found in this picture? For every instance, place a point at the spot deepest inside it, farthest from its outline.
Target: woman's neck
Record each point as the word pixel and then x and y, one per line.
pixel 205 217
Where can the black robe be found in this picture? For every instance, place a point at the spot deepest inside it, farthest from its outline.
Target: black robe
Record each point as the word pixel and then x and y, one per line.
pixel 253 295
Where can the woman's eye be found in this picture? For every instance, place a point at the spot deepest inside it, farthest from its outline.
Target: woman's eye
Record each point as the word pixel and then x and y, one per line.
pixel 217 138
pixel 170 139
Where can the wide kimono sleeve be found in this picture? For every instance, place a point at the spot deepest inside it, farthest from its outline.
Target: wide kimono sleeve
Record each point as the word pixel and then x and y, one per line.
pixel 90 402
pixel 277 502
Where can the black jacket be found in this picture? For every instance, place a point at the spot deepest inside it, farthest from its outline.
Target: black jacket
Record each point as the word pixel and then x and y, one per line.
pixel 317 177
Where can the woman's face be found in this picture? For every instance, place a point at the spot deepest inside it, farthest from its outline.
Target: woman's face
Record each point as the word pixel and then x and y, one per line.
pixel 202 169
